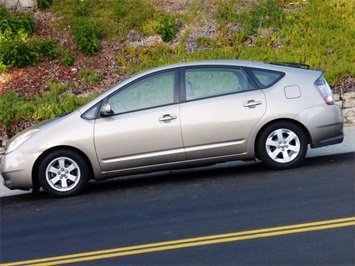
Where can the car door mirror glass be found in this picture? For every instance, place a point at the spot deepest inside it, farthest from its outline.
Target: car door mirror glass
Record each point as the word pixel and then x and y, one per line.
pixel 106 110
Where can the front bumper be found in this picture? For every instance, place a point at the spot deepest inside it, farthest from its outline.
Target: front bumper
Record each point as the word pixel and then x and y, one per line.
pixel 16 170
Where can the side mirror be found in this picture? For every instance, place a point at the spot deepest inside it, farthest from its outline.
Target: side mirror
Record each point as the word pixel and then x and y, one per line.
pixel 106 110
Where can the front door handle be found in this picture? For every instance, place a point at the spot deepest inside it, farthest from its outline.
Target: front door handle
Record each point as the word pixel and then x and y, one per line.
pixel 252 104
pixel 167 118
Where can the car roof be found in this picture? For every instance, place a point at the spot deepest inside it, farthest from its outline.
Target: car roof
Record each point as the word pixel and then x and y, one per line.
pixel 242 63
pixel 235 62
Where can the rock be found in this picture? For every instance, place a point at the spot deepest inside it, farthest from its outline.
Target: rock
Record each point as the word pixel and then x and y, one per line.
pixel 348 96
pixel 336 97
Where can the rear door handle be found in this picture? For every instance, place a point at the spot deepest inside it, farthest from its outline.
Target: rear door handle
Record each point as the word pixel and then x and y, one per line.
pixel 252 104
pixel 167 118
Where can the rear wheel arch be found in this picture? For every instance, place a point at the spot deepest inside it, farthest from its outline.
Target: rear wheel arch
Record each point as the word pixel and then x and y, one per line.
pixel 278 123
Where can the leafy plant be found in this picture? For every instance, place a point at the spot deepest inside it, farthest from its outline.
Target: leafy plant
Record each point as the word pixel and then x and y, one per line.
pixel 86 37
pixel 44 4
pixel 67 58
pixel 82 8
pixel 167 29
pixel 11 23
pixel 21 51
pixel 11 108
pixel 15 21
pixel 18 52
pixel 17 45
pixel 48 48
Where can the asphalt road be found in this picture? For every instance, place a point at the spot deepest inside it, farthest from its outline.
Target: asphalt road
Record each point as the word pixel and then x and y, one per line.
pixel 230 215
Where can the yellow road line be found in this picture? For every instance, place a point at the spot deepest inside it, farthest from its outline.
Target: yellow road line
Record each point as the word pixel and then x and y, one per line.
pixel 190 242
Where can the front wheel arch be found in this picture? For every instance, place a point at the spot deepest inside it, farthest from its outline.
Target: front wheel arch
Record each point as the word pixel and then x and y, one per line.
pixel 35 170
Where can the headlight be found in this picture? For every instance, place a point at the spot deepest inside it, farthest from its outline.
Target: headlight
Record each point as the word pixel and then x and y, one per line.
pixel 17 142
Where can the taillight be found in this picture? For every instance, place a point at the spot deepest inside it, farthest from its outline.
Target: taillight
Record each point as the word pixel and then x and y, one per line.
pixel 324 90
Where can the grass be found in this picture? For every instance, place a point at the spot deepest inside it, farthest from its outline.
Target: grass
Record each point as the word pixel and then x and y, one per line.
pixel 320 33
pixel 57 101
pixel 113 18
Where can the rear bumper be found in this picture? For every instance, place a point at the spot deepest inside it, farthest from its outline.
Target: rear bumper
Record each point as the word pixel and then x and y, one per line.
pixel 324 123
pixel 327 142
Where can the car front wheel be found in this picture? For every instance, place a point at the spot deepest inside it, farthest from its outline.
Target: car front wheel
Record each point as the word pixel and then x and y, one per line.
pixel 282 145
pixel 63 173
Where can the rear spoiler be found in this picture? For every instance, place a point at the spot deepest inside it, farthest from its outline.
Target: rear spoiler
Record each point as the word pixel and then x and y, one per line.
pixel 291 64
pixel 297 65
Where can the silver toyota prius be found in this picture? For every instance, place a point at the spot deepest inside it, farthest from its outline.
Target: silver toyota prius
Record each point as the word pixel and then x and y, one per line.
pixel 179 116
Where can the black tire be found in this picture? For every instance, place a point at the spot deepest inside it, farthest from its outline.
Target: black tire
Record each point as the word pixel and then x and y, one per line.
pixel 282 145
pixel 63 173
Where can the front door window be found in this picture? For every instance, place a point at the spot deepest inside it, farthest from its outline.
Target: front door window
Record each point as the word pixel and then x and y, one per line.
pixel 157 90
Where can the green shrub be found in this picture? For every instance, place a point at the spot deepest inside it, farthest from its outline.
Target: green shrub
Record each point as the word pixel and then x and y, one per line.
pixel 86 37
pixel 11 23
pixel 3 67
pixel 67 58
pixel 17 45
pixel 18 52
pixel 48 48
pixel 11 106
pixel 22 51
pixel 44 4
pixel 167 29
pixel 82 8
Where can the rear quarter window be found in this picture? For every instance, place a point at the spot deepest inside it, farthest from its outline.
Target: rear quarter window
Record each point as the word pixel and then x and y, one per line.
pixel 266 78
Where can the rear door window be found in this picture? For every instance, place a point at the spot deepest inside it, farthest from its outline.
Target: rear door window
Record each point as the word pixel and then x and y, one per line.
pixel 214 81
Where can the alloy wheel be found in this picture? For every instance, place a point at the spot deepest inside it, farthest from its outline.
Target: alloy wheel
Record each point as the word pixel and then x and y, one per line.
pixel 283 145
pixel 63 174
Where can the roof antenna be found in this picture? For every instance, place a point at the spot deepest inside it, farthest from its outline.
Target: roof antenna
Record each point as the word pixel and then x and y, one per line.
pixel 238 54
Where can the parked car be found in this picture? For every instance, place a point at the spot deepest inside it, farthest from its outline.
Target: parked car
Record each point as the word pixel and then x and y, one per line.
pixel 179 116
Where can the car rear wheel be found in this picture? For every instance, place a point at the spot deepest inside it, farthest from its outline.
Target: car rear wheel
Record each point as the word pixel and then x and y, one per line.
pixel 63 173
pixel 282 145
